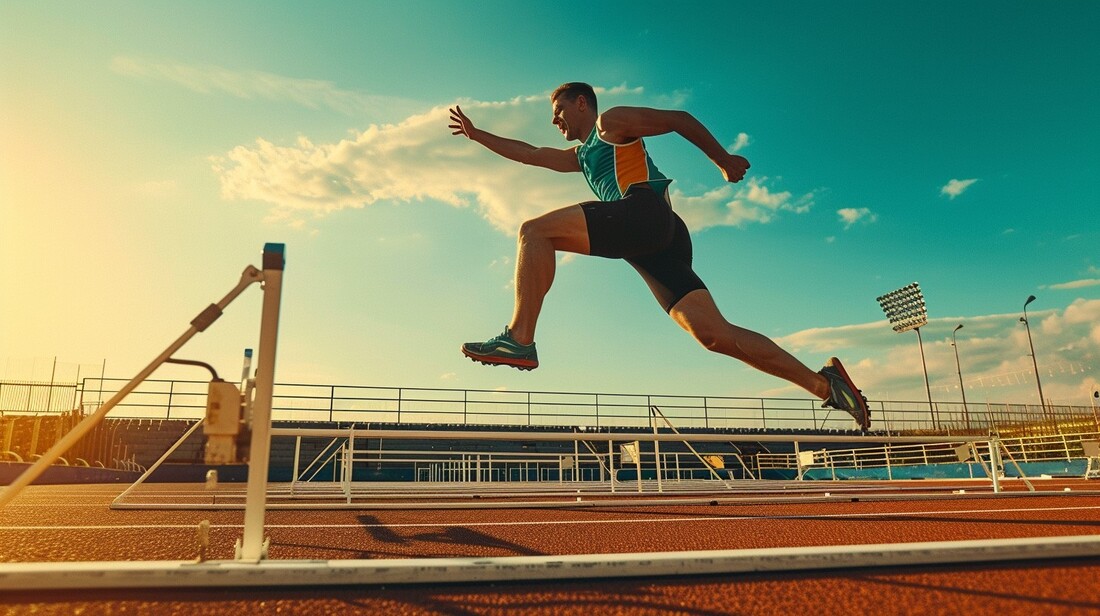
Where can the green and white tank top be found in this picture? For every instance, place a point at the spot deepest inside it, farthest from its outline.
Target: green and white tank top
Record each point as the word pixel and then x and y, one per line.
pixel 612 168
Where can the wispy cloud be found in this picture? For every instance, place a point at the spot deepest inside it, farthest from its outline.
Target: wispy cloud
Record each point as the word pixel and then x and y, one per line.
pixel 954 188
pixel 310 93
pixel 851 216
pixel 736 205
pixel 418 159
pixel 741 143
pixel 1074 284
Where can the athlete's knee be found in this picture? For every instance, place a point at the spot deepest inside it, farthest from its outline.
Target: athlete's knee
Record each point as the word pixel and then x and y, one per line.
pixel 534 229
pixel 712 338
pixel 528 228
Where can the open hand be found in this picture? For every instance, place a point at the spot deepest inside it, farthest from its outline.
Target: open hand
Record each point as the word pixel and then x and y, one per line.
pixel 461 125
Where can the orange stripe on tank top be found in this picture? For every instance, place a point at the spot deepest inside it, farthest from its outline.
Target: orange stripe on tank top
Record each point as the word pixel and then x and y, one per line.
pixel 630 167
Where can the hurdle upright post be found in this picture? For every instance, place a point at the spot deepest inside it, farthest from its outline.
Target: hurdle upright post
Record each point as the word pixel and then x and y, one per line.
pixel 252 546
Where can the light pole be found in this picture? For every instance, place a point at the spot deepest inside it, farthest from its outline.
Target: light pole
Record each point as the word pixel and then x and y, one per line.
pixel 1034 362
pixel 1095 397
pixel 958 366
pixel 905 309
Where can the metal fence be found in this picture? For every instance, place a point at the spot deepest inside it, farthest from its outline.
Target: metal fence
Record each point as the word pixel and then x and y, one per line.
pixel 174 399
pixel 35 397
pixel 1045 448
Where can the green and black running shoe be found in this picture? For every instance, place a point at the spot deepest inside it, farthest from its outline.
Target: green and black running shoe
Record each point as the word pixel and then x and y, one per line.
pixel 844 395
pixel 503 351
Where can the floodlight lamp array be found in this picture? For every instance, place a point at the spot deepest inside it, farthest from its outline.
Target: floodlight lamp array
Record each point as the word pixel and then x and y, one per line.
pixel 905 308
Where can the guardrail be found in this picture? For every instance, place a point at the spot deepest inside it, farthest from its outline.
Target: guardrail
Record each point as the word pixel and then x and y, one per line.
pixel 36 397
pixel 175 399
pixel 1045 448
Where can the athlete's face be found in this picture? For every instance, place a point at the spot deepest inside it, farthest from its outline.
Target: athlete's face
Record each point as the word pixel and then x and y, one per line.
pixel 566 116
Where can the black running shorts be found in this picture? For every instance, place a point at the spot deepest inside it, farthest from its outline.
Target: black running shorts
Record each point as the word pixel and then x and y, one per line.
pixel 642 229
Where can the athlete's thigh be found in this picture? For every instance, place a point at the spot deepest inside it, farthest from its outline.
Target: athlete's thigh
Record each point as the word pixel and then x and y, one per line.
pixel 566 228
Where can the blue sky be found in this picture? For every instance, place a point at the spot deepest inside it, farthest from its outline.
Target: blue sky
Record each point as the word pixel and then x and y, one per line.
pixel 150 149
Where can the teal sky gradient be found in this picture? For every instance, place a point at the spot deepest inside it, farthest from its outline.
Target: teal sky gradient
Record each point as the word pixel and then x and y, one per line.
pixel 148 150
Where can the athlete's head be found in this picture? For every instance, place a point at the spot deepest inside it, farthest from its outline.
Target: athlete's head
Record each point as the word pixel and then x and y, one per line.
pixel 574 108
pixel 570 91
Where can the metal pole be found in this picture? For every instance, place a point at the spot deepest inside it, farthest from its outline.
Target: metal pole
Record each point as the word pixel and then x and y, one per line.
pixel 927 387
pixel 958 366
pixel 49 392
pixel 656 449
pixel 297 460
pixel 1034 362
pixel 155 465
pixel 611 464
pixel 1095 396
pixel 252 549
pixel 995 463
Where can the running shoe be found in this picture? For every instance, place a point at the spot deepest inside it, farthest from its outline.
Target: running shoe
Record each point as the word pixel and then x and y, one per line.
pixel 503 351
pixel 844 395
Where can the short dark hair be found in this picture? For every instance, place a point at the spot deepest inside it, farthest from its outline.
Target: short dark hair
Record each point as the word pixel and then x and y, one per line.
pixel 572 90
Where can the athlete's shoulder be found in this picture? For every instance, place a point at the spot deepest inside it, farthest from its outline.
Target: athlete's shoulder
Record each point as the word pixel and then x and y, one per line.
pixel 625 124
pixel 614 118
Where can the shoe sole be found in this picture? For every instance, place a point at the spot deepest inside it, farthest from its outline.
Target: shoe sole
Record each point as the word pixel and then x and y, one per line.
pixel 861 401
pixel 492 360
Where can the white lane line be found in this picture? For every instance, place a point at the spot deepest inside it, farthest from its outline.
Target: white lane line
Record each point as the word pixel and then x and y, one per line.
pixel 892 514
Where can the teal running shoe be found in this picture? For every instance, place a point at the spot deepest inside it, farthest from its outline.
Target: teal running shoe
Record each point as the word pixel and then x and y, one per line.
pixel 844 395
pixel 503 351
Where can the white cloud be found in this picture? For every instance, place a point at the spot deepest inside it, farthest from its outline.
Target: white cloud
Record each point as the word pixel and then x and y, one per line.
pixel 311 93
pixel 954 188
pixel 414 160
pixel 735 205
pixel 851 216
pixel 741 143
pixel 419 159
pixel 1075 284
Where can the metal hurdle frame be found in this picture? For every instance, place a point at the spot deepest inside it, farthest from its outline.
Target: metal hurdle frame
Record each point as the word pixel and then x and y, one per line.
pixel 250 567
pixel 251 547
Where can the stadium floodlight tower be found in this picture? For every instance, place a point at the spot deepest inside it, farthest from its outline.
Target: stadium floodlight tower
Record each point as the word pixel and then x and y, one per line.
pixel 906 310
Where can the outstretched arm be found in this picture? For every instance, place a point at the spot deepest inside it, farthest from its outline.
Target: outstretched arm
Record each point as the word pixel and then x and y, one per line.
pixel 623 124
pixel 519 151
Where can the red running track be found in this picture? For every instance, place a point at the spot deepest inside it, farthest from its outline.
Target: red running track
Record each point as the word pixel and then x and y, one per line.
pixel 74 523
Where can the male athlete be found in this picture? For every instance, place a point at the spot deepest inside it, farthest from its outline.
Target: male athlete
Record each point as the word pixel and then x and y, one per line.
pixel 632 220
